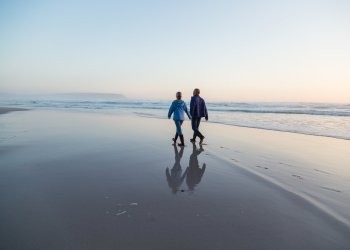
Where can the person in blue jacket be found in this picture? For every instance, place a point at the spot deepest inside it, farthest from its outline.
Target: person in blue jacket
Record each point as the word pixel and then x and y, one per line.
pixel 198 109
pixel 178 107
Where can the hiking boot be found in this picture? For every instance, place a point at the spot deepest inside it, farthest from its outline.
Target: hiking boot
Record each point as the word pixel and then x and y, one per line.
pixel 182 144
pixel 175 138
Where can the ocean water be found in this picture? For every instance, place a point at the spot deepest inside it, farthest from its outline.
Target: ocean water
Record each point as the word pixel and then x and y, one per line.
pixel 321 119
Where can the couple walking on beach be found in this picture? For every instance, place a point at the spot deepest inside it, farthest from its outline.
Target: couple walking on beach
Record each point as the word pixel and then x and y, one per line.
pixel 198 110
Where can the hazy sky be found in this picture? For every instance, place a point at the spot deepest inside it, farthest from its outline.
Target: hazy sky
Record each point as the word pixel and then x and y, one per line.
pixel 232 50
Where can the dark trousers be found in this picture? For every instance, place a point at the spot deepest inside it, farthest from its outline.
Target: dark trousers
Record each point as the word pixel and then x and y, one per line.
pixel 195 125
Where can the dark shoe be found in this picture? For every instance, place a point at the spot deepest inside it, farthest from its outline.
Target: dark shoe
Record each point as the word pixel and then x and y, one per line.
pixel 175 138
pixel 182 144
pixel 201 141
pixel 192 140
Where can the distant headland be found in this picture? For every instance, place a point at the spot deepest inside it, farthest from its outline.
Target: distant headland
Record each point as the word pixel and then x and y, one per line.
pixel 92 95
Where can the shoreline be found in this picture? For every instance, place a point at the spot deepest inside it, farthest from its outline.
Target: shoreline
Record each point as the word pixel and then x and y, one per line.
pixel 283 131
pixel 4 110
pixel 258 128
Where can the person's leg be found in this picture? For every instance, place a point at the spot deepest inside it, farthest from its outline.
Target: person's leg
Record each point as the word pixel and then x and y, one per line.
pixel 175 138
pixel 198 122
pixel 199 134
pixel 176 134
pixel 179 131
pixel 194 128
pixel 178 127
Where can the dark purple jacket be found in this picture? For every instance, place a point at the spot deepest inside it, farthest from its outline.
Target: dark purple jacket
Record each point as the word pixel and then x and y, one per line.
pixel 198 108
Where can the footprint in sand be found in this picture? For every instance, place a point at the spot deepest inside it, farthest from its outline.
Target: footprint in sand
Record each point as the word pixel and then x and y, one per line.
pixel 262 167
pixel 286 164
pixel 297 176
pixel 332 189
pixel 321 171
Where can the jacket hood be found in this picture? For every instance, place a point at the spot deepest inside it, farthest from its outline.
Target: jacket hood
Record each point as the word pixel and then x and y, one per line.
pixel 178 103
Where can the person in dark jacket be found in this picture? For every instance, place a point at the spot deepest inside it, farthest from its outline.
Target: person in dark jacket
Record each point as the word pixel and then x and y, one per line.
pixel 198 110
pixel 179 108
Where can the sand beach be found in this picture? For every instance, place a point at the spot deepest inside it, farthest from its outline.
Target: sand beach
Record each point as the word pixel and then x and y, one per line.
pixel 79 180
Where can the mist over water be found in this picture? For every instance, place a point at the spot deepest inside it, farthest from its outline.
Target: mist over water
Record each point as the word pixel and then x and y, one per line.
pixel 322 119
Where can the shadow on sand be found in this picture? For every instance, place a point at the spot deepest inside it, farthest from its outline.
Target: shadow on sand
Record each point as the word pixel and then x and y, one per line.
pixel 193 173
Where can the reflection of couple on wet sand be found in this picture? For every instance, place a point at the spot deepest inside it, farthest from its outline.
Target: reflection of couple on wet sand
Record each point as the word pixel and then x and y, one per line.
pixel 193 173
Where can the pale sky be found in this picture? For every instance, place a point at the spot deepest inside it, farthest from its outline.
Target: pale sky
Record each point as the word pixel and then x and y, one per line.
pixel 297 50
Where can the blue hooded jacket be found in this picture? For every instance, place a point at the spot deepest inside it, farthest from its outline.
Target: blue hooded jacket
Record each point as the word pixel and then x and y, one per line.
pixel 178 107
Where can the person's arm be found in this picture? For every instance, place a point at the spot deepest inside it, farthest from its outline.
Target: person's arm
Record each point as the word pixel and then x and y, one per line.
pixel 186 110
pixel 192 105
pixel 171 110
pixel 205 111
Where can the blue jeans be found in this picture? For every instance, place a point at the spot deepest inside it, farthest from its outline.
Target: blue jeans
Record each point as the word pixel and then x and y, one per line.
pixel 178 124
pixel 195 125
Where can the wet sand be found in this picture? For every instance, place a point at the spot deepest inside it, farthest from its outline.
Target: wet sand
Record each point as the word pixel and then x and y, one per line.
pixel 4 110
pixel 92 181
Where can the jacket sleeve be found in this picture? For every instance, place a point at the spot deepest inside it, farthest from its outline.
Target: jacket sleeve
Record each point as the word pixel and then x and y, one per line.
pixel 186 110
pixel 171 110
pixel 205 111
pixel 192 105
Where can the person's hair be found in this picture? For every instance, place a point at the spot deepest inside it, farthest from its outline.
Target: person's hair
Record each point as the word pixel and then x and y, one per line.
pixel 178 95
pixel 196 91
